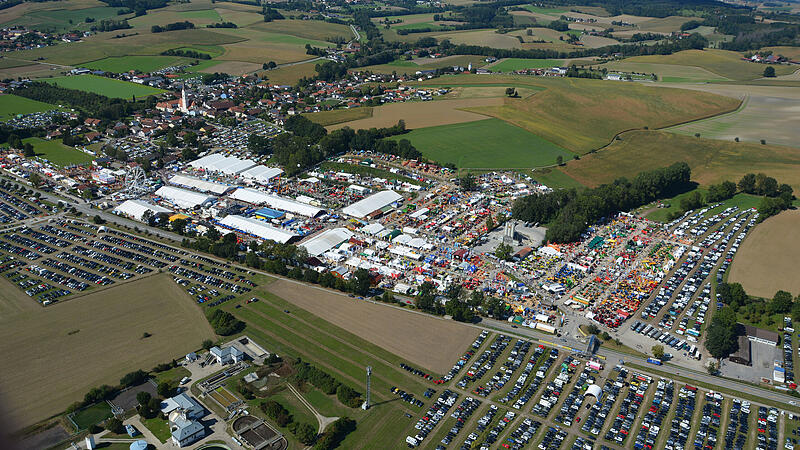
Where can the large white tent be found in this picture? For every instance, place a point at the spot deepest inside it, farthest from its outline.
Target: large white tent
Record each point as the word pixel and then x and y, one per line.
pixel 257 228
pixel 183 198
pixel 258 197
pixel 217 162
pixel 326 240
pixel 136 209
pixel 374 202
pixel 200 185
pixel 262 174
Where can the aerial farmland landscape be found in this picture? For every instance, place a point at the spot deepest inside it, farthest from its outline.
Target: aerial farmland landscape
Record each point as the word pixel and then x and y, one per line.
pixel 386 224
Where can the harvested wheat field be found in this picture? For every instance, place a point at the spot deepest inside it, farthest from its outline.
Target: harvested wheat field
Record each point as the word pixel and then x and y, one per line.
pixel 61 351
pixel 767 259
pixel 422 339
pixel 423 114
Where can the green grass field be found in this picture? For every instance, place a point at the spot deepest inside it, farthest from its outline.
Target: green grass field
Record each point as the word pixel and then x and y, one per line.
pixel 159 427
pixel 104 86
pixel 548 11
pixel 554 178
pixel 11 105
pixel 58 20
pixel 335 116
pixel 490 143
pixel 58 153
pixel 138 63
pixel 92 415
pixel 511 64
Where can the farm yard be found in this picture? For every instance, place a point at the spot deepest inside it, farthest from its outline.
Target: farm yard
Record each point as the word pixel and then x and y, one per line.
pixel 104 86
pixel 485 144
pixel 668 73
pixel 767 260
pixel 99 328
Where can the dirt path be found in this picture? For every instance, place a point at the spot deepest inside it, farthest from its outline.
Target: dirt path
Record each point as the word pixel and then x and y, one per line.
pixel 323 421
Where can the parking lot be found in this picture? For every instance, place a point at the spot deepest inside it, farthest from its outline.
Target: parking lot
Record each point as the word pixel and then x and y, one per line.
pixel 54 260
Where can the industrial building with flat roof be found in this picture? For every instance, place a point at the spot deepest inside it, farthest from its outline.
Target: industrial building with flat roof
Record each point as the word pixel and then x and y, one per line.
pixel 258 197
pixel 375 202
pixel 183 198
pixel 136 209
pixel 257 229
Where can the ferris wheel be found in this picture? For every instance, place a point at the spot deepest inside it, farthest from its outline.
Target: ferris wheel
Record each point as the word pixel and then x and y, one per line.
pixel 135 181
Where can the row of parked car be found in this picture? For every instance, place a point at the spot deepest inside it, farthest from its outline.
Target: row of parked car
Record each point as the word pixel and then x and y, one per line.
pixel 767 428
pixel 738 426
pixel 520 437
pixel 485 361
pixel 418 372
pixel 78 272
pixel 432 417
pixel 629 410
pixel 537 381
pixel 522 378
pixel 97 267
pixel 461 413
pixel 682 420
pixel 406 396
pixel 553 439
pixel 708 431
pixel 553 390
pixel 653 419
pixel 58 278
pixel 464 358
pixel 601 409
pixel 503 376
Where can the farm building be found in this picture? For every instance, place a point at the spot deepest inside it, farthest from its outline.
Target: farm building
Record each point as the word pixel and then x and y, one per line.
pixel 200 185
pixel 137 209
pixel 216 162
pixel 257 197
pixel 257 229
pixel 326 240
pixel 761 335
pixel 183 198
pixel 375 202
pixel 261 174
pixel 742 356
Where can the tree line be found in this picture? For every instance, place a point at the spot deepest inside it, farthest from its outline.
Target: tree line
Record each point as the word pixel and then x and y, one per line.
pixel 326 383
pixel 89 103
pixel 569 212
pixel 185 25
pixel 186 53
